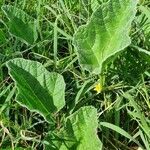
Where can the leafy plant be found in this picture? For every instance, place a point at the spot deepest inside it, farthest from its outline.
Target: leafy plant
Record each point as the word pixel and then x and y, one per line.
pixel 79 131
pixel 43 92
pixel 21 24
pixel 38 89
pixel 105 34
pixel 58 89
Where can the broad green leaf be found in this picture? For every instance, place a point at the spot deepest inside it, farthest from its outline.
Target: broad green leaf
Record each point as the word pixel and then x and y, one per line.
pixel 105 35
pixel 81 130
pixel 38 89
pixel 21 24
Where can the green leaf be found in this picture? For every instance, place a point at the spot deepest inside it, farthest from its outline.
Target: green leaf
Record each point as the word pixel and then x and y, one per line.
pixel 105 34
pixel 81 130
pixel 21 24
pixel 38 89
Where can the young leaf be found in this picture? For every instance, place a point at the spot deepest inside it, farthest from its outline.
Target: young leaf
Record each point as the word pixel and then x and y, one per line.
pixel 81 130
pixel 21 24
pixel 38 89
pixel 105 34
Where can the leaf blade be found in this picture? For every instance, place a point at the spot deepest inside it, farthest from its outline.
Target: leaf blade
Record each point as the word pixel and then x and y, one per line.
pixel 20 24
pixel 81 130
pixel 38 89
pixel 105 34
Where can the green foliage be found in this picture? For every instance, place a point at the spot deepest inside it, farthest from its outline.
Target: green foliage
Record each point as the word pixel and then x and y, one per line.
pixel 95 4
pixel 105 35
pixel 38 89
pixel 20 24
pixel 48 100
pixel 81 127
pixel 79 131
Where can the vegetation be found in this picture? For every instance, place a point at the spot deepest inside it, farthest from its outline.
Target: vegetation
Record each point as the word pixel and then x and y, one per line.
pixel 75 75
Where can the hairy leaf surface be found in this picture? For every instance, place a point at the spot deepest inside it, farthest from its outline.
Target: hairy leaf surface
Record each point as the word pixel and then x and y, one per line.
pixel 38 89
pixel 105 34
pixel 80 131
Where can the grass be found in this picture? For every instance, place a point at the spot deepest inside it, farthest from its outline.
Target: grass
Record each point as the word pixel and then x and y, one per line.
pixel 123 106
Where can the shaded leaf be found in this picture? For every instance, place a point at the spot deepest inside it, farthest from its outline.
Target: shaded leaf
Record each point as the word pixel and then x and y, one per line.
pixel 21 24
pixel 38 89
